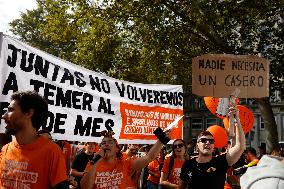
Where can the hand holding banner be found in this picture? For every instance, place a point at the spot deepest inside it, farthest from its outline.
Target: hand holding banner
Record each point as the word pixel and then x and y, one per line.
pixel 164 136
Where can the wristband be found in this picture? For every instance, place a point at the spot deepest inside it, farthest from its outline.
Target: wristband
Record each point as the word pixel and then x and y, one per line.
pixel 95 159
pixel 159 133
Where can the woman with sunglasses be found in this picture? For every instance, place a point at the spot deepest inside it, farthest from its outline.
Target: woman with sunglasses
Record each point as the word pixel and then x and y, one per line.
pixel 108 170
pixel 171 171
pixel 207 170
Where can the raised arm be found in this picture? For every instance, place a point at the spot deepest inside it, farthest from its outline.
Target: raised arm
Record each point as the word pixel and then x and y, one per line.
pixel 142 162
pixel 88 178
pixel 236 151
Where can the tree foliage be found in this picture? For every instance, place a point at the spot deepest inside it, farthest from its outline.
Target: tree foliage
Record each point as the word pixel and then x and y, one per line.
pixel 128 38
pixel 153 41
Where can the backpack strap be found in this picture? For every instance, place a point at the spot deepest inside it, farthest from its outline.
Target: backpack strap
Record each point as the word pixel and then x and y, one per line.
pixel 171 164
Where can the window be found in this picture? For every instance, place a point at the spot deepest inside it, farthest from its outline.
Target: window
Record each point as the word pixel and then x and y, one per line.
pixel 196 123
pixel 210 122
pixel 261 124
pixel 255 123
pixel 282 124
pixel 262 143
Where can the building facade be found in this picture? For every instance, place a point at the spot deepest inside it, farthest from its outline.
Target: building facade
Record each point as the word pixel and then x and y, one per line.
pixel 198 118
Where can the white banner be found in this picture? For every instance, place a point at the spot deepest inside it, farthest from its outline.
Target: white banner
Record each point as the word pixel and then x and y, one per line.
pixel 82 103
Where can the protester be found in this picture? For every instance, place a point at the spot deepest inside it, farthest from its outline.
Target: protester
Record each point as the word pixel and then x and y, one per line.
pixel 81 160
pixel 191 148
pixel 227 147
pixel 269 173
pixel 45 133
pixel 131 151
pixel 207 171
pixel 279 152
pixel 107 170
pixel 250 159
pixel 154 170
pixel 30 161
pixel 261 151
pixel 145 172
pixel 251 156
pixel 172 165
pixel 66 149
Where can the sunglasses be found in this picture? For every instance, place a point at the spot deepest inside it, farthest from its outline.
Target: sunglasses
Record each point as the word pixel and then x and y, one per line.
pixel 204 140
pixel 175 146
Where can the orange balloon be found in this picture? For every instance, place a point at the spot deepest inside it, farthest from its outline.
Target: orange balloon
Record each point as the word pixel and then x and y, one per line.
pixel 212 104
pixel 219 134
pixel 246 118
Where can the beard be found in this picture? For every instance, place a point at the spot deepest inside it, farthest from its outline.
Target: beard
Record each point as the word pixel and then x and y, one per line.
pixel 206 154
pixel 11 131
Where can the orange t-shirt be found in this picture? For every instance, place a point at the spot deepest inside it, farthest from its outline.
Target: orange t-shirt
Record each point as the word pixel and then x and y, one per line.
pixel 112 175
pixel 37 165
pixel 66 149
pixel 174 175
pixel 154 167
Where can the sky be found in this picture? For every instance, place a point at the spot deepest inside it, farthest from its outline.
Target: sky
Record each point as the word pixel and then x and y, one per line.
pixel 11 9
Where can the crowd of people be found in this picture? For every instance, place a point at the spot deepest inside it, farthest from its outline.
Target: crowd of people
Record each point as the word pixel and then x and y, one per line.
pixel 33 160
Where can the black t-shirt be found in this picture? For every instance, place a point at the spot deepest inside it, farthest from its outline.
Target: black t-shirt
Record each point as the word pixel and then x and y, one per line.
pixel 205 175
pixel 80 162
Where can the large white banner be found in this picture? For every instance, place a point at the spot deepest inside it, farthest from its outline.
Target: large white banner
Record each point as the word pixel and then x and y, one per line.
pixel 82 103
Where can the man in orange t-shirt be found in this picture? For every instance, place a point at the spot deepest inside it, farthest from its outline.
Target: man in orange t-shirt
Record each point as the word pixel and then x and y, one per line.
pixel 107 170
pixel 31 161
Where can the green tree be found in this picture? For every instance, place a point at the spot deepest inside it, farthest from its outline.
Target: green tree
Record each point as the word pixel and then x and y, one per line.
pixel 153 41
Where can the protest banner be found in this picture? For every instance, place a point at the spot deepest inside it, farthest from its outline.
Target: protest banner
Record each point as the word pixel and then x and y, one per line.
pixel 220 75
pixel 82 103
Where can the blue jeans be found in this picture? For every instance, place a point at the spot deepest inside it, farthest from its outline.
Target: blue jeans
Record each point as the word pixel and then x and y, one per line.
pixel 152 185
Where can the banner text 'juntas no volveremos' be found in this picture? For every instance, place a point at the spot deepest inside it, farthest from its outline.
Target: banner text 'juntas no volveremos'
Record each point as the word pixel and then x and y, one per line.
pixel 82 103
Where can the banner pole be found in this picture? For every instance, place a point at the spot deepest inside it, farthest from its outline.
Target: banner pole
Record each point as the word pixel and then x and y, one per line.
pixel 1 40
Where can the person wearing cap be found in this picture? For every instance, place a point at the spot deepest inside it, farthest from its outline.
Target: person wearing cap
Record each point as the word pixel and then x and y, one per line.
pixel 107 169
pixel 206 170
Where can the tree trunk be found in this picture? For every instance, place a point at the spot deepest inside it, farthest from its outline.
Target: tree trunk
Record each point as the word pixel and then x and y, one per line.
pixel 270 126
